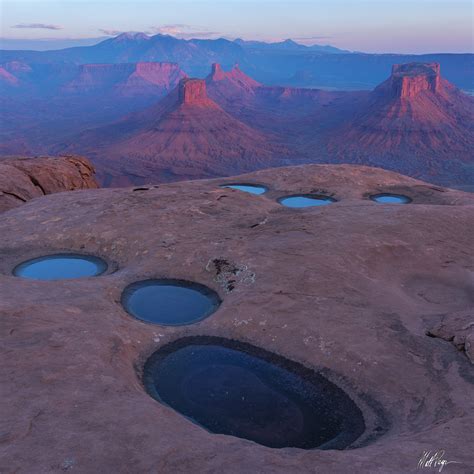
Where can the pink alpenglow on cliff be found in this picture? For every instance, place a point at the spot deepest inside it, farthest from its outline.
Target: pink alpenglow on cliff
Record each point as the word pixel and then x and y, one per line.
pixel 126 79
pixel 185 135
pixel 408 80
pixel 194 92
pixel 416 121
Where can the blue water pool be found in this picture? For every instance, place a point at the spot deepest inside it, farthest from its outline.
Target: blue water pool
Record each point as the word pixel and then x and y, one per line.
pixel 232 388
pixel 306 200
pixel 61 267
pixel 387 198
pixel 248 188
pixel 170 302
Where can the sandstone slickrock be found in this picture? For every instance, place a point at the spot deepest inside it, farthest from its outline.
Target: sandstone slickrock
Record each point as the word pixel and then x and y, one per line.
pixel 350 289
pixel 459 330
pixel 22 179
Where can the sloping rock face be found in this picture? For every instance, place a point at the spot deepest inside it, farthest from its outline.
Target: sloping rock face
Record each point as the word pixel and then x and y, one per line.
pixel 244 97
pixel 22 179
pixel 416 121
pixel 126 79
pixel 350 289
pixel 234 78
pixel 11 74
pixel 186 135
pixel 8 78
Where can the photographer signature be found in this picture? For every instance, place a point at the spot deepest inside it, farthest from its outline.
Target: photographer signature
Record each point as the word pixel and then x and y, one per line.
pixel 434 460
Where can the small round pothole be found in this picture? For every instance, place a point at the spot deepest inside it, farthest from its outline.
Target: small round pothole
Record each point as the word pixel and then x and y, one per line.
pixel 170 302
pixel 388 198
pixel 61 267
pixel 306 200
pixel 247 188
pixel 233 388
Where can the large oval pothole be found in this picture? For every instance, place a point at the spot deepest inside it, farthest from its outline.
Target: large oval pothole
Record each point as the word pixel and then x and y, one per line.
pixel 233 388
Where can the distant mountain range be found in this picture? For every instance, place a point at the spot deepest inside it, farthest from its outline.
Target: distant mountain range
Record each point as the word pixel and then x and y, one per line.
pixel 284 63
pixel 288 45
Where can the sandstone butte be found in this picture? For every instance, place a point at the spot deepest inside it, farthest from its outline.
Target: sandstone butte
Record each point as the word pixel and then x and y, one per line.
pixel 184 136
pixel 22 179
pixel 415 122
pixel 377 297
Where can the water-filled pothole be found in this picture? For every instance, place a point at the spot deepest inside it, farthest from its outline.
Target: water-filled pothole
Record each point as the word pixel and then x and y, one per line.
pixel 306 200
pixel 144 188
pixel 248 188
pixel 61 267
pixel 233 388
pixel 388 198
pixel 170 302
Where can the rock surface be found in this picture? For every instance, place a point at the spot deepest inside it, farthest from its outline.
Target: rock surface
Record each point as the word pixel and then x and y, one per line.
pixel 350 289
pixel 22 179
pixel 194 92
pixel 8 78
pixel 126 79
pixel 459 330
pixel 415 122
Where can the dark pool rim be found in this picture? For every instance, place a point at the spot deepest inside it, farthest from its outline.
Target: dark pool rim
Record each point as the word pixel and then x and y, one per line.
pixel 342 441
pixel 250 185
pixel 316 197
pixel 129 290
pixel 405 199
pixel 101 264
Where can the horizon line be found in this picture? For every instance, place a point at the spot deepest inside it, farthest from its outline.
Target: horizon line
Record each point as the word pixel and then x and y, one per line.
pixel 99 39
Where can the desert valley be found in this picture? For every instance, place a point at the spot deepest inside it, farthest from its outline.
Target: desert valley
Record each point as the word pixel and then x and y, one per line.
pixel 149 121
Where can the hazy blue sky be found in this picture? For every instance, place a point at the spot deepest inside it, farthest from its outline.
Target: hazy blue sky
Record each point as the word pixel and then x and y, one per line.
pixel 367 25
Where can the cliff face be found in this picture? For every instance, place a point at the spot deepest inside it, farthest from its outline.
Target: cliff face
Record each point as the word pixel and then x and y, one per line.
pixel 12 72
pixel 126 79
pixel 8 78
pixel 408 80
pixel 415 121
pixel 22 179
pixel 235 75
pixel 194 92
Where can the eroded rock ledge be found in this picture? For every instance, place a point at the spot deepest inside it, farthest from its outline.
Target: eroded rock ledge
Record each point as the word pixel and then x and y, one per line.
pixel 22 179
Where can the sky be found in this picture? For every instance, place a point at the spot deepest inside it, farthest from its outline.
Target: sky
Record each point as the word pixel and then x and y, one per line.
pixel 397 26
